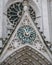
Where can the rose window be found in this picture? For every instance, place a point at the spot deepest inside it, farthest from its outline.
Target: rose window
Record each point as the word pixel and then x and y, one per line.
pixel 26 33
pixel 14 12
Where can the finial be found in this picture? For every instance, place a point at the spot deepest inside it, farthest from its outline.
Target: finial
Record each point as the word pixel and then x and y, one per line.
pixel 25 3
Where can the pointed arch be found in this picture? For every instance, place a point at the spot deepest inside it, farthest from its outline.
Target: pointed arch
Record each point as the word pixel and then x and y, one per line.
pixel 26 56
pixel 36 9
pixel 5 20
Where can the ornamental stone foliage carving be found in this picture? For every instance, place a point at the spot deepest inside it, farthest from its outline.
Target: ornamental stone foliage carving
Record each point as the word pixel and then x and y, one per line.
pixel 24 34
pixel 14 15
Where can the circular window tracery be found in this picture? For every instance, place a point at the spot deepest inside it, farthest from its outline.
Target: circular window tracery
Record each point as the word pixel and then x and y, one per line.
pixel 14 12
pixel 26 33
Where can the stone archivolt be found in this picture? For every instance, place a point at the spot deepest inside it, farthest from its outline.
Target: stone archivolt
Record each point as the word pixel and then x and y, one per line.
pixel 26 56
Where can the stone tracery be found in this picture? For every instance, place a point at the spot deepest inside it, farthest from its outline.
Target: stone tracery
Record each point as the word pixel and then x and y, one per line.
pixel 14 12
pixel 35 43
pixel 26 34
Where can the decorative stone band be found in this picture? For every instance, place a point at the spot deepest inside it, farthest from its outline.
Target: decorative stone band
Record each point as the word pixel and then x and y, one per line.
pixel 26 56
